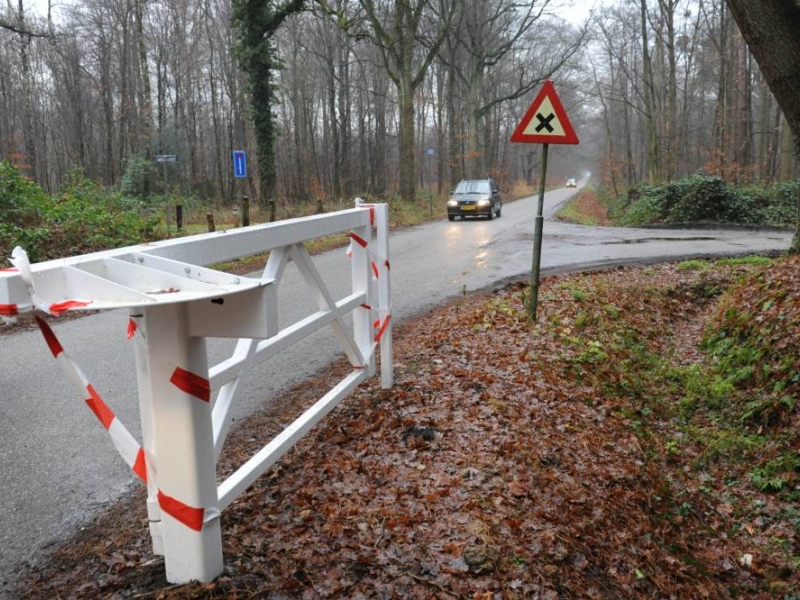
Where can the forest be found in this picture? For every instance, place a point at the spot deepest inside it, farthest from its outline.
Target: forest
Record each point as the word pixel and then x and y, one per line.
pixel 386 99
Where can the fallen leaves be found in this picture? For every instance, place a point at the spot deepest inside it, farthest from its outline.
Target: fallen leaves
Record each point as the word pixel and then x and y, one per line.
pixel 511 460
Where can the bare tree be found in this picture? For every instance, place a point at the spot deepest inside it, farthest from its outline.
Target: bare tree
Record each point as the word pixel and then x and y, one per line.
pixel 408 34
pixel 113 82
pixel 488 33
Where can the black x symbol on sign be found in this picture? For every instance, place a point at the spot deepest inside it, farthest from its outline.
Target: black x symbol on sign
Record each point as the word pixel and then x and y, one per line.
pixel 544 123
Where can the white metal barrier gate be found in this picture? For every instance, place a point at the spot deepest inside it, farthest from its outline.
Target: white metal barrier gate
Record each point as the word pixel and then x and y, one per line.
pixel 175 303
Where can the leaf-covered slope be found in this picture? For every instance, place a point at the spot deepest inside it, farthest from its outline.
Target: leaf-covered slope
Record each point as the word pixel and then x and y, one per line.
pixel 511 460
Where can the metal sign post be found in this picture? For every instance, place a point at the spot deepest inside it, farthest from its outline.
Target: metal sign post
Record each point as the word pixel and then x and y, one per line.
pixel 240 172
pixel 533 301
pixel 545 122
pixel 430 153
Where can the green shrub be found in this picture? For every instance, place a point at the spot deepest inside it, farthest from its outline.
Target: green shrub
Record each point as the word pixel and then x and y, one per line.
pixel 702 199
pixel 82 218
pixel 139 178
pixel 89 218
pixel 641 212
pixel 21 200
pixel 776 204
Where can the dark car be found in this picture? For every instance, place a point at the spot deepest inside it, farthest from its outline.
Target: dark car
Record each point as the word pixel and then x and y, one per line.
pixel 571 182
pixel 475 198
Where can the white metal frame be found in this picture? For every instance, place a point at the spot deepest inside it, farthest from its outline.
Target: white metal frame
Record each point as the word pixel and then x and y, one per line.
pixel 175 303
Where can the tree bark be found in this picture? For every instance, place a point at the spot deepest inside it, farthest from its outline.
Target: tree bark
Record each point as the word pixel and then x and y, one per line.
pixel 27 82
pixel 771 29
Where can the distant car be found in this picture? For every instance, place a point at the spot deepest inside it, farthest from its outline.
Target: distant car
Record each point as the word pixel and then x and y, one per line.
pixel 475 198
pixel 571 182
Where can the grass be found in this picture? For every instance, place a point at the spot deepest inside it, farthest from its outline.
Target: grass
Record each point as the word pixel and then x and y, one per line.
pixel 722 406
pixel 585 208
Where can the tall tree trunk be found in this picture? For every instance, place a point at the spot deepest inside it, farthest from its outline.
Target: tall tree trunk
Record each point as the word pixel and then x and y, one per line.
pixel 380 166
pixel 335 143
pixel 216 120
pixel 771 29
pixel 344 162
pixel 29 117
pixel 650 110
pixel 671 109
pixel 441 142
pixel 397 45
pixel 257 21
pixel 405 29
pixel 145 102
pixel 407 173
pixel 744 115
pixel 108 114
pixel 788 156
pixel 452 125
pixel 723 94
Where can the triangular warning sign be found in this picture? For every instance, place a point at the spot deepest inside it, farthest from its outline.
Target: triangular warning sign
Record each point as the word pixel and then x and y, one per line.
pixel 546 121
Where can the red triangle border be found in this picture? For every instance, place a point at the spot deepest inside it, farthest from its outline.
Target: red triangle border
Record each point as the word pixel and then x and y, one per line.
pixel 548 91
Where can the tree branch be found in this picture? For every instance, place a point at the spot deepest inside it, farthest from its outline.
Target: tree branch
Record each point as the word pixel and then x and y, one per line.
pixel 21 31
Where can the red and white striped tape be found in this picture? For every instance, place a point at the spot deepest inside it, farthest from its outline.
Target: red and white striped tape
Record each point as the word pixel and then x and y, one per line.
pixel 375 259
pixel 186 381
pixel 127 446
pixel 190 516
pixel 378 324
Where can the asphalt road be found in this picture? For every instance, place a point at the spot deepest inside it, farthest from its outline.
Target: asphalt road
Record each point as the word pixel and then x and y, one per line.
pixel 57 463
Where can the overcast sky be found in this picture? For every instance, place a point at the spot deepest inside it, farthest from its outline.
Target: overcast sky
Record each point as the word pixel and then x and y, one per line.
pixel 574 11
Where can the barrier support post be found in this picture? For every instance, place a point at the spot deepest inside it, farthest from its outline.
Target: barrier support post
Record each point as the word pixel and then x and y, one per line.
pixel 145 404
pixel 362 324
pixel 183 445
pixel 385 295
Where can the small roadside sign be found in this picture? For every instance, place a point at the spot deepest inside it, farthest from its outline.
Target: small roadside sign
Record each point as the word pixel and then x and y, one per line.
pixel 546 121
pixel 166 158
pixel 239 163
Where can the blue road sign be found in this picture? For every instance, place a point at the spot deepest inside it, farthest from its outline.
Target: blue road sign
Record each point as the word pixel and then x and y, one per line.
pixel 239 163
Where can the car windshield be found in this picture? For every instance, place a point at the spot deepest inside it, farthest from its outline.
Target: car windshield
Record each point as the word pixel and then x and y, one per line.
pixel 473 187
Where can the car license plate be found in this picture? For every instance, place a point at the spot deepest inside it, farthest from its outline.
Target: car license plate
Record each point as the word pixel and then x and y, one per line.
pixel 467 208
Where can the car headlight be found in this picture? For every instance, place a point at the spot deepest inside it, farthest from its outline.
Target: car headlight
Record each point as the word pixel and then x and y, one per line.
pixel 484 202
pixel 452 202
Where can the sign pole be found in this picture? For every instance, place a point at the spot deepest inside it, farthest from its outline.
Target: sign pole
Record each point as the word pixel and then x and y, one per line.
pixel 164 159
pixel 430 152
pixel 240 172
pixel 537 239
pixel 167 206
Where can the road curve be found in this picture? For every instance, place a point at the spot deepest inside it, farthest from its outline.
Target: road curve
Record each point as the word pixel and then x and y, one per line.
pixel 58 465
